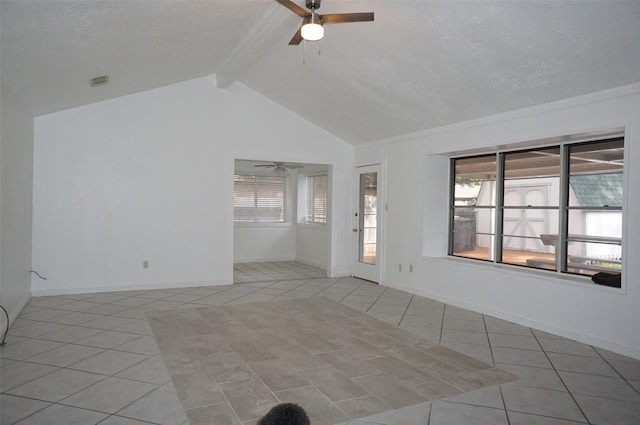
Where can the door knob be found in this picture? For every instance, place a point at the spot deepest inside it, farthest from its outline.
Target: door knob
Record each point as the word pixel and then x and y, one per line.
pixel 355 230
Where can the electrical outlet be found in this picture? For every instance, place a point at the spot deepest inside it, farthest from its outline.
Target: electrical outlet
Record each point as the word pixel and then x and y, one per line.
pixel 410 268
pixel 145 264
pixel 399 267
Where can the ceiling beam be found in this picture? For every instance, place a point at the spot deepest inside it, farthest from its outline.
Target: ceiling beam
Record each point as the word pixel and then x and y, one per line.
pixel 275 24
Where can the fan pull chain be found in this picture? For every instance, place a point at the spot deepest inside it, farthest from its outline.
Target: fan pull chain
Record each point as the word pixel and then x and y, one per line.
pixel 304 52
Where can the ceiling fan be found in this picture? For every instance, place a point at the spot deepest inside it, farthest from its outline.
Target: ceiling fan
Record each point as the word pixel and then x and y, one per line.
pixel 280 167
pixel 312 28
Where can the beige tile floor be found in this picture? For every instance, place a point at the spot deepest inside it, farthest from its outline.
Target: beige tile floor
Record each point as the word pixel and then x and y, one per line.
pixel 276 270
pixel 336 362
pixel 93 359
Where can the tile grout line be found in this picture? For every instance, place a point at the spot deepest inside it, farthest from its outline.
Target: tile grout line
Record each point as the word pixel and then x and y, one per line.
pixel 351 292
pixel 68 367
pixel 486 329
pixel 404 313
pixel 58 403
pixel 562 380
pixel 110 414
pixel 430 411
pixel 294 288
pixel 504 404
pixel 219 389
pixel 375 301
pixel 637 390
pixel 444 310
pixel 30 398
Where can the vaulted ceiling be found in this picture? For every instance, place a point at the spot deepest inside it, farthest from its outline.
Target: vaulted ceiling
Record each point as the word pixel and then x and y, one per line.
pixel 419 65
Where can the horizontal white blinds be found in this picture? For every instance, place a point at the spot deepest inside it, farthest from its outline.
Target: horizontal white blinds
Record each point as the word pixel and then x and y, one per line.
pixel 259 198
pixel 317 198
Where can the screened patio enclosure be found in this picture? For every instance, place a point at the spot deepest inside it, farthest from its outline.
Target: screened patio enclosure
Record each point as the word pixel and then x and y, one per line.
pixel 516 200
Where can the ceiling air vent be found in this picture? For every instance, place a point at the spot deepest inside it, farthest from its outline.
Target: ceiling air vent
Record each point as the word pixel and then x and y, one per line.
pixel 99 81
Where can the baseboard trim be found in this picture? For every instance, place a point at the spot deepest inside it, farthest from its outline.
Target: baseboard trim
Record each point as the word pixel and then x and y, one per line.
pixel 118 288
pixel 311 263
pixel 262 260
pixel 546 327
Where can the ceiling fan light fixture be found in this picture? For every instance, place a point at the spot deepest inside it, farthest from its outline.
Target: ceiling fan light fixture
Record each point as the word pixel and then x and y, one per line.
pixel 280 171
pixel 312 30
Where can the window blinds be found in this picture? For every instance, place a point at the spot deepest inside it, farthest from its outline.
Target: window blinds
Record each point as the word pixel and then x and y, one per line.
pixel 259 198
pixel 317 199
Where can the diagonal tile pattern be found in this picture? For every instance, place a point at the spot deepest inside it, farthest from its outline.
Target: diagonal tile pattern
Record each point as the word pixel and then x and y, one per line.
pixel 276 270
pixel 369 366
pixel 562 382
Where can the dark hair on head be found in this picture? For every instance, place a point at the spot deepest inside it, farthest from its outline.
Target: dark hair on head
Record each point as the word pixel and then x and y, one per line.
pixel 285 414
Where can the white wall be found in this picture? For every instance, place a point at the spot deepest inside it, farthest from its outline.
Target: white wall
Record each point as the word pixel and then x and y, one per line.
pixel 416 224
pixel 313 239
pixel 264 242
pixel 306 243
pixel 312 242
pixel 150 177
pixel 16 171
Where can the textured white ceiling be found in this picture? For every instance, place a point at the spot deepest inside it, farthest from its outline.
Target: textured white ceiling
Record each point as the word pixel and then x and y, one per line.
pixel 421 64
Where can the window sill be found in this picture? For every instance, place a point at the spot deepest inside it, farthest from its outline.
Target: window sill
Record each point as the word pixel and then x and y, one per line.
pixel 576 280
pixel 259 224
pixel 314 226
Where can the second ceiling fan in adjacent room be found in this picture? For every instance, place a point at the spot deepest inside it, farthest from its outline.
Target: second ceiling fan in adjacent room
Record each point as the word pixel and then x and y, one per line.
pixel 279 167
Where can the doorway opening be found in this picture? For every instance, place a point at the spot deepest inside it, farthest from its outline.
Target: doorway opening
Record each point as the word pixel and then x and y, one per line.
pixel 282 222
pixel 367 222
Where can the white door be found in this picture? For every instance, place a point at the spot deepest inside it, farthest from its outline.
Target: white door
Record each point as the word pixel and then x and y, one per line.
pixel 524 226
pixel 367 222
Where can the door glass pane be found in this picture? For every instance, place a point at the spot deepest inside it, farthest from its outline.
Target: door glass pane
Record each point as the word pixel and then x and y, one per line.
pixel 368 216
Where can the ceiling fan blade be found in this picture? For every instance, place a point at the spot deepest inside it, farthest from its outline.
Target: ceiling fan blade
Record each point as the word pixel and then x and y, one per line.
pixel 297 38
pixel 294 8
pixel 265 165
pixel 339 18
pixel 292 166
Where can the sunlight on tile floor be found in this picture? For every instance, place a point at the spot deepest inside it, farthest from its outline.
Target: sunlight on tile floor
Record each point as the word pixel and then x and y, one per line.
pixel 336 362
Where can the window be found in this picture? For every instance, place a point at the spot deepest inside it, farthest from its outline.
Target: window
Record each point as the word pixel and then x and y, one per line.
pixel 260 199
pixel 554 207
pixel 317 199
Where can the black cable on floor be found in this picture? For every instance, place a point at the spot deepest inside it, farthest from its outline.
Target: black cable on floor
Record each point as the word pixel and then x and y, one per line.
pixel 37 274
pixel 4 336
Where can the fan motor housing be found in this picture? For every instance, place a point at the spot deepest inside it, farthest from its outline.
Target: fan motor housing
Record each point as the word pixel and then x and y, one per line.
pixel 313 4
